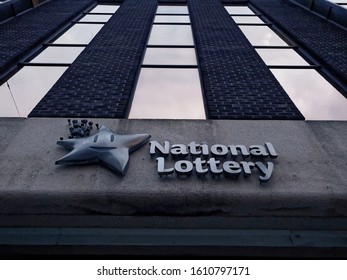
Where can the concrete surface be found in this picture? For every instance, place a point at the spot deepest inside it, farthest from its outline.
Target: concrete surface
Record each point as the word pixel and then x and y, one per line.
pixel 307 190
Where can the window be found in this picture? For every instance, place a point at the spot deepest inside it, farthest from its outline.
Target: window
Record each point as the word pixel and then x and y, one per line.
pixel 25 89
pixel 171 35
pixel 168 93
pixel 341 3
pixel 169 84
pixel 170 56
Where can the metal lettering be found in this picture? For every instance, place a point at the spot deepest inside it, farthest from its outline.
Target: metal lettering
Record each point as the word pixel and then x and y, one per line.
pixel 183 167
pixel 266 171
pixel 195 149
pixel 219 150
pixel 204 148
pixel 234 150
pixel 199 163
pixel 231 169
pixel 258 151
pixel 205 159
pixel 179 150
pixel 247 166
pixel 213 163
pixel 161 167
pixel 155 146
pixel 271 150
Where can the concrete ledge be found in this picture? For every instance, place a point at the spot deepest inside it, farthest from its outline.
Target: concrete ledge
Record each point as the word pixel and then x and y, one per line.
pixel 307 189
pixel 171 237
pixel 154 242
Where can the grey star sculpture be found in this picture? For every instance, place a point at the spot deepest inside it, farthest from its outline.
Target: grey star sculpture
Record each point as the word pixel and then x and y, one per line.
pixel 106 147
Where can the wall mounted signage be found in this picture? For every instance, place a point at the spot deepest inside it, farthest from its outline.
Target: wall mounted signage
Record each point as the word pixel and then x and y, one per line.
pixel 106 147
pixel 206 159
pixel 112 150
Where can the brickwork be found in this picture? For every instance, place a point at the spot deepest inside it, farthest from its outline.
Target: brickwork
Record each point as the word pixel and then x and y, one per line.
pixel 172 2
pixel 232 2
pixel 100 81
pixel 25 32
pixel 324 40
pixel 236 82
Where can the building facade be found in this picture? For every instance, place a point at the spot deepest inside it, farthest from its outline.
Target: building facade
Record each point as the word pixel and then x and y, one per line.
pixel 244 103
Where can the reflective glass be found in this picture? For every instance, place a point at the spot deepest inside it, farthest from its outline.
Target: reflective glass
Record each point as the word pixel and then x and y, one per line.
pixel 281 57
pixel 171 35
pixel 31 83
pixel 58 55
pixel 7 105
pixel 338 1
pixel 242 10
pixel 105 9
pixel 247 19
pixel 171 19
pixel 170 56
pixel 183 10
pixel 168 94
pixel 95 18
pixel 262 36
pixel 79 34
pixel 312 94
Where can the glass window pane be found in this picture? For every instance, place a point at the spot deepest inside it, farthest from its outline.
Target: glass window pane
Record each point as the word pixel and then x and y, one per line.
pixel 171 35
pixel 312 94
pixel 58 55
pixel 247 19
pixel 168 94
pixel 338 1
pixel 242 10
pixel 173 19
pixel 79 34
pixel 183 10
pixel 95 18
pixel 105 9
pixel 7 105
pixel 262 36
pixel 281 57
pixel 170 56
pixel 31 83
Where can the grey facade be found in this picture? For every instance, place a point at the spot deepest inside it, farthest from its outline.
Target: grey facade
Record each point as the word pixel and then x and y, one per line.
pixel 300 211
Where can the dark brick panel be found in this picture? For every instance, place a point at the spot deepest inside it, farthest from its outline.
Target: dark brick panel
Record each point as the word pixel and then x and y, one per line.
pixel 324 40
pixel 174 2
pixel 236 82
pixel 99 83
pixel 25 32
pixel 234 2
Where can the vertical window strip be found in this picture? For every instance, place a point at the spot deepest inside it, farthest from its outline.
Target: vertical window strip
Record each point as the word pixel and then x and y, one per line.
pixel 169 84
pixel 315 97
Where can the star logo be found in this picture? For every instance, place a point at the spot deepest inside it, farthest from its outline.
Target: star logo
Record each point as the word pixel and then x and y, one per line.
pixel 106 147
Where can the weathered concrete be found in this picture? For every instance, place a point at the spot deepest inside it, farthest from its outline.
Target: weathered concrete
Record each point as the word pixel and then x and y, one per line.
pixel 307 190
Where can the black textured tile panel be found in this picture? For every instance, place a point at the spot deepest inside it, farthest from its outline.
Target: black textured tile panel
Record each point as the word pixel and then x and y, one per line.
pixel 100 81
pixel 236 82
